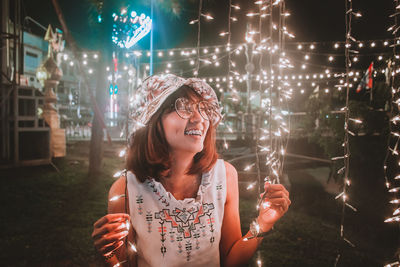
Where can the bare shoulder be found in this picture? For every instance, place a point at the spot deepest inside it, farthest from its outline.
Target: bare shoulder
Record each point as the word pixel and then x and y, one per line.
pixel 231 172
pixel 117 189
pixel 232 184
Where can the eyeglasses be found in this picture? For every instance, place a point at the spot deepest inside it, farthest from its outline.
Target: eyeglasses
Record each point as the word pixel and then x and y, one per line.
pixel 185 109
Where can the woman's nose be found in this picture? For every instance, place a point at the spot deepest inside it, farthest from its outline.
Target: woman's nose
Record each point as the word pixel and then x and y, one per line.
pixel 196 116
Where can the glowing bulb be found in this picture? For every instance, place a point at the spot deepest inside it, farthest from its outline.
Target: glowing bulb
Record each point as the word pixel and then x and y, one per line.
pixel 115 198
pixel 252 14
pixel 248 167
pixel 118 173
pixel 267 204
pixel 132 246
pixel 251 186
pixel 225 144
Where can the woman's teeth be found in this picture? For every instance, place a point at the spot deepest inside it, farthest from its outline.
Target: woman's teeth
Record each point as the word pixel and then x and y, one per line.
pixel 193 132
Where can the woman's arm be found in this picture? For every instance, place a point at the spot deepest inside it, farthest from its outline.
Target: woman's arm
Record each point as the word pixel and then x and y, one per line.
pixel 109 233
pixel 234 250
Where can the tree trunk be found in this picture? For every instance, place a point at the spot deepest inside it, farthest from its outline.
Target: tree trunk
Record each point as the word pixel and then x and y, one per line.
pixel 98 104
pixel 97 142
pixel 97 138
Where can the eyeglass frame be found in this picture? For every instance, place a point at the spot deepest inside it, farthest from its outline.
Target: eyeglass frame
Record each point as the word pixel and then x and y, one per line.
pixel 173 106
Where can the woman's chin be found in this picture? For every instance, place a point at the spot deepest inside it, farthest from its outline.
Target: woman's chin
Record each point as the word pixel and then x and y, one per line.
pixel 194 149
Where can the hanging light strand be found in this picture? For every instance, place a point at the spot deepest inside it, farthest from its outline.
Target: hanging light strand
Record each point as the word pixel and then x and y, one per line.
pixel 394 136
pixel 346 158
pixel 196 72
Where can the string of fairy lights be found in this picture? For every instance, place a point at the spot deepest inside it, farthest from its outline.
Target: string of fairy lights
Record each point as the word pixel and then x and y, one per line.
pixel 172 61
pixel 271 134
pixel 391 181
pixel 196 72
pixel 210 54
pixel 350 54
pixel 259 125
pixel 231 64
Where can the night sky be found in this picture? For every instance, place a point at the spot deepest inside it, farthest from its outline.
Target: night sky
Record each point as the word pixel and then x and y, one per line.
pixel 310 20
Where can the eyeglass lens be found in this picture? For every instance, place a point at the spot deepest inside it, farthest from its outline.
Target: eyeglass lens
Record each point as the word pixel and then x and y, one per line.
pixel 184 108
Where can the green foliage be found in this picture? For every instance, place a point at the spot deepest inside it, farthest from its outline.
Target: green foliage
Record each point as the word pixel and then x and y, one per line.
pixel 327 129
pixel 49 215
pixel 323 127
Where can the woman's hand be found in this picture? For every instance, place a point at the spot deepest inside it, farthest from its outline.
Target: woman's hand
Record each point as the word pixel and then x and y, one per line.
pixel 275 204
pixel 108 232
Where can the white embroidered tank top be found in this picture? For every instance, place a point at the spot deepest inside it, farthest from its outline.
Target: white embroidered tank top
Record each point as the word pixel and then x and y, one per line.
pixel 172 232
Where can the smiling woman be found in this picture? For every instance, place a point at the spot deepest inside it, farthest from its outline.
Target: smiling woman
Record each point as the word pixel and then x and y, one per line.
pixel 178 204
pixel 149 149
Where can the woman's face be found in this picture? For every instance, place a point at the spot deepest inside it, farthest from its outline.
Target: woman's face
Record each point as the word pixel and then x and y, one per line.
pixel 185 135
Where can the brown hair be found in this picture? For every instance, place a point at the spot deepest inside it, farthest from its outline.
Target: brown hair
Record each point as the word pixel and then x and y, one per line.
pixel 148 152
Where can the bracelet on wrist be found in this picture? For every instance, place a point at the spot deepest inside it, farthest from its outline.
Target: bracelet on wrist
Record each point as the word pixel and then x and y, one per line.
pixel 256 231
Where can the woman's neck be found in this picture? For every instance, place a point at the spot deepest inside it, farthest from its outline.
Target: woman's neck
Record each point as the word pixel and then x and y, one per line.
pixel 179 183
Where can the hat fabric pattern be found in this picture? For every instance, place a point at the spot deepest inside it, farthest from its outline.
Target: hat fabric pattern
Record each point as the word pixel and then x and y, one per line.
pixel 156 89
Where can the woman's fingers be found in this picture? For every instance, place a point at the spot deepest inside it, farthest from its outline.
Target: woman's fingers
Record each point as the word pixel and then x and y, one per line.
pixel 280 202
pixel 276 194
pixel 110 218
pixel 110 228
pixel 275 187
pixel 106 251
pixel 109 240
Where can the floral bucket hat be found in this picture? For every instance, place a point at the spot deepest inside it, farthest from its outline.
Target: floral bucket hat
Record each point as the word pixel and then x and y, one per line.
pixel 155 89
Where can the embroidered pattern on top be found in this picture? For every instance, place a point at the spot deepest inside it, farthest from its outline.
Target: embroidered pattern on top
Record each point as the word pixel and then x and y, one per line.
pixel 139 201
pixel 185 222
